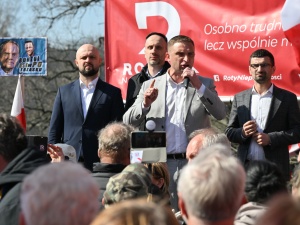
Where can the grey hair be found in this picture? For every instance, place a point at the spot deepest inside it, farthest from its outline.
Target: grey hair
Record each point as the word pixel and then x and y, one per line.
pixel 59 193
pixel 212 185
pixel 216 139
pixel 115 137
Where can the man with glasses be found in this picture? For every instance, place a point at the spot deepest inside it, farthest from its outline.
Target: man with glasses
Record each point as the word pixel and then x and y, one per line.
pixel 264 119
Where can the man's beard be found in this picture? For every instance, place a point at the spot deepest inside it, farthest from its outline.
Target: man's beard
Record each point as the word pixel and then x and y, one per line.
pixel 88 73
pixel 262 79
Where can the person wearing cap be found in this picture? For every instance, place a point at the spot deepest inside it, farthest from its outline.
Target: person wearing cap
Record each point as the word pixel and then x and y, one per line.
pixel 133 182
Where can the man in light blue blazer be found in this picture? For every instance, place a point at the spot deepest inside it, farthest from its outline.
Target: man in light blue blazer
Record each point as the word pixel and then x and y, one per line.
pixel 83 107
pixel 177 106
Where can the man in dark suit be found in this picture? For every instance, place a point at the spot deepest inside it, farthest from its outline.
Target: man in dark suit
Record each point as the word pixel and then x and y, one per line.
pixel 265 119
pixel 155 55
pixel 85 106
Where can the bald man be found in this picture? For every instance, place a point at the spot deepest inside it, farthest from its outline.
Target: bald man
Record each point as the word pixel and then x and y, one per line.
pixel 85 106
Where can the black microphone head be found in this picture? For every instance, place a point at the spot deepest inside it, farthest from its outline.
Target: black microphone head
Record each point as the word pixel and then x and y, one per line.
pixel 150 125
pixel 186 82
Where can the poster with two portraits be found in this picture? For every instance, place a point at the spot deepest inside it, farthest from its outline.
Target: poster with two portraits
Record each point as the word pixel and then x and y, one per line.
pixel 23 56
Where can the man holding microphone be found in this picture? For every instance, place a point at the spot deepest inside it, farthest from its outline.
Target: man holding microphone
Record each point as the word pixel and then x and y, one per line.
pixel 176 106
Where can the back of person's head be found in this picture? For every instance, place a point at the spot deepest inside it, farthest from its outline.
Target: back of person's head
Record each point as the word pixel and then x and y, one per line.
pixel 211 186
pixel 263 181
pixel 12 137
pixel 203 132
pixel 59 193
pixel 132 182
pixel 114 142
pixel 204 138
pixel 136 212
pixel 283 210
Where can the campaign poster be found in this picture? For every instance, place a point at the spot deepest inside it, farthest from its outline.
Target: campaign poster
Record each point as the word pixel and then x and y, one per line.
pixel 23 56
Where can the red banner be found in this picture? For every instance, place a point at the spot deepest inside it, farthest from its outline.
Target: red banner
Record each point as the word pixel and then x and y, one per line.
pixel 225 34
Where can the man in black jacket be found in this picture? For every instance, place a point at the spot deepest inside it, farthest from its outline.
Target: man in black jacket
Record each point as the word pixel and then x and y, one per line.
pixel 114 153
pixel 155 54
pixel 16 161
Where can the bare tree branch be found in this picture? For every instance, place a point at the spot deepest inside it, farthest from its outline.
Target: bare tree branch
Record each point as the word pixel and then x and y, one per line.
pixel 53 11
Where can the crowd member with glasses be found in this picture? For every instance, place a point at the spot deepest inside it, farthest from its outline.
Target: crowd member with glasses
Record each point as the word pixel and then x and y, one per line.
pixel 264 119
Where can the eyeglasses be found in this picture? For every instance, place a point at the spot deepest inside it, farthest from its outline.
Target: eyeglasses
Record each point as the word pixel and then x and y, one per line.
pixel 262 65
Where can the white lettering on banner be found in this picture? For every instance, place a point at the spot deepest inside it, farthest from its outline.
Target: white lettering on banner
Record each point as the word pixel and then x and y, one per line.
pixel 226 29
pixel 244 77
pixel 259 27
pixel 164 9
pixel 276 77
pixel 216 46
pixel 216 77
pixel 235 78
pixel 254 43
pixel 127 68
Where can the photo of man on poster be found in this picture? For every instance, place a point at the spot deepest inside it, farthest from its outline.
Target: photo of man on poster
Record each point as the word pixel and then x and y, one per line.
pixel 9 56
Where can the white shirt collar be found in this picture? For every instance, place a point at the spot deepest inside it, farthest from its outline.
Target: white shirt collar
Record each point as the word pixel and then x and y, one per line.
pixel 270 90
pixel 91 85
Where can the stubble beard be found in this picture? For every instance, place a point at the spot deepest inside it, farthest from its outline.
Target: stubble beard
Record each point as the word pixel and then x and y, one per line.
pixel 262 79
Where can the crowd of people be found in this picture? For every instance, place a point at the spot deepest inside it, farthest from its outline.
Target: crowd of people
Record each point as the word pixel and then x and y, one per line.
pixel 87 176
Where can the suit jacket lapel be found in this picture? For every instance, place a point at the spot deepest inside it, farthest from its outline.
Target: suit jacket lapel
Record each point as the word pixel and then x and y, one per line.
pixel 77 96
pixel 275 104
pixel 161 98
pixel 96 96
pixel 245 100
pixel 190 92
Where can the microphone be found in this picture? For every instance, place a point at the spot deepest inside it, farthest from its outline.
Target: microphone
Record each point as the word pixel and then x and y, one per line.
pixel 186 82
pixel 150 125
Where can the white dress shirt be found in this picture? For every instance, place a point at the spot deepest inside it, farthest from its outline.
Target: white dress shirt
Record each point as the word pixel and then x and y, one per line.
pixel 175 121
pixel 260 107
pixel 87 94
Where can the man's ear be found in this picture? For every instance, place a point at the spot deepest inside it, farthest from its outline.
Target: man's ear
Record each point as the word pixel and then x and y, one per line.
pixel 76 63
pixel 99 154
pixel 181 206
pixel 21 219
pixel 168 57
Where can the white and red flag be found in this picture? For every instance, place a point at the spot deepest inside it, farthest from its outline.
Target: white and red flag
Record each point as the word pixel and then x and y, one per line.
pixel 290 19
pixel 17 109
